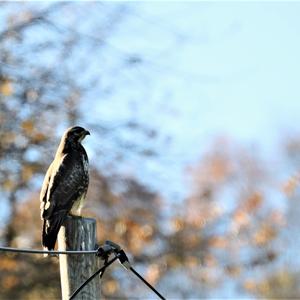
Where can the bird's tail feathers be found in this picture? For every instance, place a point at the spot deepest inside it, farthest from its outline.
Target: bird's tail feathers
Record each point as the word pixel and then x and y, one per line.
pixel 50 231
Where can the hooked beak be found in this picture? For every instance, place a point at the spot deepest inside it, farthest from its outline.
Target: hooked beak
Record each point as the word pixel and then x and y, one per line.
pixel 83 135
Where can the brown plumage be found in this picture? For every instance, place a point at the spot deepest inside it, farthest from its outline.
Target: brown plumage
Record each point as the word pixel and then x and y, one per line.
pixel 65 184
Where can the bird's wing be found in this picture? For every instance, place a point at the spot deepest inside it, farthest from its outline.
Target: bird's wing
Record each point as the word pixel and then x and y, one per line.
pixel 44 189
pixel 64 185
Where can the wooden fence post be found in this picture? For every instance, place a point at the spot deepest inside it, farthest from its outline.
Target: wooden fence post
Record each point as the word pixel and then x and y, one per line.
pixel 78 234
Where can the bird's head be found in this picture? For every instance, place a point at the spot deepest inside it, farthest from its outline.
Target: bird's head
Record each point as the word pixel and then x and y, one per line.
pixel 76 134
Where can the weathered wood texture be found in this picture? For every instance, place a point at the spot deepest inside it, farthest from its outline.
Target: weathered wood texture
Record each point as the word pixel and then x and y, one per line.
pixel 78 234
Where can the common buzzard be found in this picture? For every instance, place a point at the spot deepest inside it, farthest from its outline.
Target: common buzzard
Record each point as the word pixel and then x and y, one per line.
pixel 65 184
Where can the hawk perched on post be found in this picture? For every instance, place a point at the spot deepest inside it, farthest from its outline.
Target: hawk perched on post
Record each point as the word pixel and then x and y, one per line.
pixel 65 184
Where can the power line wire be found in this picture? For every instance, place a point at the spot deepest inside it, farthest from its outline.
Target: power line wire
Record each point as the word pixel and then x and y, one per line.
pixel 35 251
pixel 92 277
pixel 147 283
pixel 102 252
pixel 125 262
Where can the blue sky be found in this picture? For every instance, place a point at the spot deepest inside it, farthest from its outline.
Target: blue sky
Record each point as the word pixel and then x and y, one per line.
pixel 249 51
pixel 210 68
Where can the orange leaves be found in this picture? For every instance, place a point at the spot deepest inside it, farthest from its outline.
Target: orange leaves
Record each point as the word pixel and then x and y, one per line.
pixel 7 263
pixel 6 87
pixel 110 286
pixel 172 260
pixel 253 202
pixel 201 212
pixel 264 234
pixel 290 186
pixel 240 219
pixel 10 281
pixel 124 226
pixel 153 273
pixel 243 215
pixel 27 172
pixel 210 261
pixel 177 224
pixel 192 261
pixel 135 234
pixel 38 137
pixel 250 285
pixel 278 286
pixel 218 242
pixel 146 231
pixel 268 286
pixel 7 139
pixel 219 168
pixel 277 218
pixel 213 170
pixel 8 184
pixel 29 128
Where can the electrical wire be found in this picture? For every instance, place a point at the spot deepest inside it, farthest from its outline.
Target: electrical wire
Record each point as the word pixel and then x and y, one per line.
pixel 119 254
pixel 92 277
pixel 35 251
pixel 147 283
pixel 126 264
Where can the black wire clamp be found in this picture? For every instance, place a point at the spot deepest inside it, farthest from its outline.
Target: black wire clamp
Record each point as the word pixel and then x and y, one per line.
pixel 104 252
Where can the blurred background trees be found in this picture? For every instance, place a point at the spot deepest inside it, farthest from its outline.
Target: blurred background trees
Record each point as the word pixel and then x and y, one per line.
pixel 229 232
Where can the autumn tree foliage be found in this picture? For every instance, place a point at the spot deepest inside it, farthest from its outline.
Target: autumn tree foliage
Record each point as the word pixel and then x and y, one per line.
pixel 40 53
pixel 207 240
pixel 39 96
pixel 283 281
pixel 226 229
